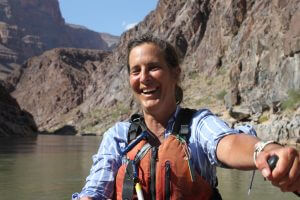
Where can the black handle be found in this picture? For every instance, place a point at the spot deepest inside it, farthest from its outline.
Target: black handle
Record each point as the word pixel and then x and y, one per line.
pixel 272 161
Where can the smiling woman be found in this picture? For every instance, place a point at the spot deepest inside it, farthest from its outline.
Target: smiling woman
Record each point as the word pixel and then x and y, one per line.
pixel 109 16
pixel 152 80
pixel 169 152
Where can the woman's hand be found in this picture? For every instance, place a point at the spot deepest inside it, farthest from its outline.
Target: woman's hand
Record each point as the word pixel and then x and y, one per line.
pixel 286 174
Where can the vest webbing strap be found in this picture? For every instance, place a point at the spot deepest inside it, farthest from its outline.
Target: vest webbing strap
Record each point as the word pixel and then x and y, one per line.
pixel 128 184
pixel 140 155
pixel 181 125
pixel 135 127
pixel 153 160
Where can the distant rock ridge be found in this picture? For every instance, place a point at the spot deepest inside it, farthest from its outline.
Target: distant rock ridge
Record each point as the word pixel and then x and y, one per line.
pixel 29 27
pixel 235 54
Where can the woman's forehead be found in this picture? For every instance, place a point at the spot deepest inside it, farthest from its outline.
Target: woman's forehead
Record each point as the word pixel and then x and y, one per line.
pixel 145 51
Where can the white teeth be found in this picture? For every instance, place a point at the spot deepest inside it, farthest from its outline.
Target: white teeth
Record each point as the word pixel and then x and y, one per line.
pixel 147 91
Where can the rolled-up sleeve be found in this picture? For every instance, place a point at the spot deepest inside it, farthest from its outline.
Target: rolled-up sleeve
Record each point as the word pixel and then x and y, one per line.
pixel 209 131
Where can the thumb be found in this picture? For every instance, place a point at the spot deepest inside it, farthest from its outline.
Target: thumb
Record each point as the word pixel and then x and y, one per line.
pixel 266 172
pixel 262 164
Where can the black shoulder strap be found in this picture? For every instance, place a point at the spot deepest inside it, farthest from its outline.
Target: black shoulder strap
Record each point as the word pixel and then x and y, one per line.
pixel 135 127
pixel 181 125
pixel 183 119
pixel 128 182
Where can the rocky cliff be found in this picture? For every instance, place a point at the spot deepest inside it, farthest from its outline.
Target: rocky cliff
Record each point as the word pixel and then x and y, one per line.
pixel 240 58
pixel 55 82
pixel 29 27
pixel 14 121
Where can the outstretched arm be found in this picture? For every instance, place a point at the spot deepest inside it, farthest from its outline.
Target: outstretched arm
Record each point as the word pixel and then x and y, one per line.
pixel 236 151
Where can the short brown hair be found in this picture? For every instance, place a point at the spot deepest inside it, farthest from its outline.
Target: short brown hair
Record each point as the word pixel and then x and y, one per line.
pixel 169 51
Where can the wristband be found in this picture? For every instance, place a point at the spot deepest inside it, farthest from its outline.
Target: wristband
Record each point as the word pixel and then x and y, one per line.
pixel 259 147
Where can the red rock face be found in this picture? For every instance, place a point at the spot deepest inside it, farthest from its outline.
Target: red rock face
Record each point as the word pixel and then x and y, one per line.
pixel 28 28
pixel 257 41
pixel 55 82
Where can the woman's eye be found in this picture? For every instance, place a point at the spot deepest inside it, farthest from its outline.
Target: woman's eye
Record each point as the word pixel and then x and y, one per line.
pixel 154 67
pixel 134 71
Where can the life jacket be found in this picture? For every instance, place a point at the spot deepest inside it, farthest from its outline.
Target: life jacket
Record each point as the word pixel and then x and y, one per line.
pixel 164 171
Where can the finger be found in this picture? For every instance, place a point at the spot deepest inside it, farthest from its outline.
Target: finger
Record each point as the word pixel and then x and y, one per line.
pixel 284 188
pixel 291 182
pixel 294 187
pixel 285 164
pixel 284 185
pixel 295 175
pixel 262 164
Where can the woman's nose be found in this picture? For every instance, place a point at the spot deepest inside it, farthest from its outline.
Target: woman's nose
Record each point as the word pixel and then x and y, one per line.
pixel 145 76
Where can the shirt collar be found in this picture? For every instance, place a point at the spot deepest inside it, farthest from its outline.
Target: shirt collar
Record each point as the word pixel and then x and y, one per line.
pixel 171 121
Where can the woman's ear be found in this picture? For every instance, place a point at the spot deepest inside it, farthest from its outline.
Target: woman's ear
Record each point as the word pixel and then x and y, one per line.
pixel 176 73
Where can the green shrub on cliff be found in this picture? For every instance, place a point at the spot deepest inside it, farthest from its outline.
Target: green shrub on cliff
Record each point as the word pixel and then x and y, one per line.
pixel 221 94
pixel 293 100
pixel 263 118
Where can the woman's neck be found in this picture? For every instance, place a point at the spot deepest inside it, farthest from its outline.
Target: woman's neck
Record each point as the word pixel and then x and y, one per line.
pixel 157 123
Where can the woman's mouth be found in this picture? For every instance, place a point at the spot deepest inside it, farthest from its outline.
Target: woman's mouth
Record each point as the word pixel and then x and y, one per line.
pixel 149 91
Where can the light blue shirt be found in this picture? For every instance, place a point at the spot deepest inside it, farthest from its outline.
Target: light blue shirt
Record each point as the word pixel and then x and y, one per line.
pixel 206 131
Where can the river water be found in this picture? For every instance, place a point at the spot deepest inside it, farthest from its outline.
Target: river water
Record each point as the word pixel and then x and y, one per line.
pixel 54 167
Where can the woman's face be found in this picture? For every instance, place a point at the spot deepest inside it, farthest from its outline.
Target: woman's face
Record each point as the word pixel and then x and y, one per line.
pixel 151 80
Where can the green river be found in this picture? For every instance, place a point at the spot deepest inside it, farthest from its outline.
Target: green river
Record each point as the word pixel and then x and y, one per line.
pixel 54 167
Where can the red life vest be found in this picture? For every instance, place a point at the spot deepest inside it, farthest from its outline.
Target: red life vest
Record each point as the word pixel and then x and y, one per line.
pixel 164 171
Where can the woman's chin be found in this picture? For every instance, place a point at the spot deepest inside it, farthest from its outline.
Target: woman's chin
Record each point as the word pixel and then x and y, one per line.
pixel 156 106
pixel 150 105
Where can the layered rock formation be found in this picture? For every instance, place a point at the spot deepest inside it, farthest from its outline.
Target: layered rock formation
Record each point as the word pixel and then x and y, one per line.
pixel 14 122
pixel 245 50
pixel 55 82
pixel 29 27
